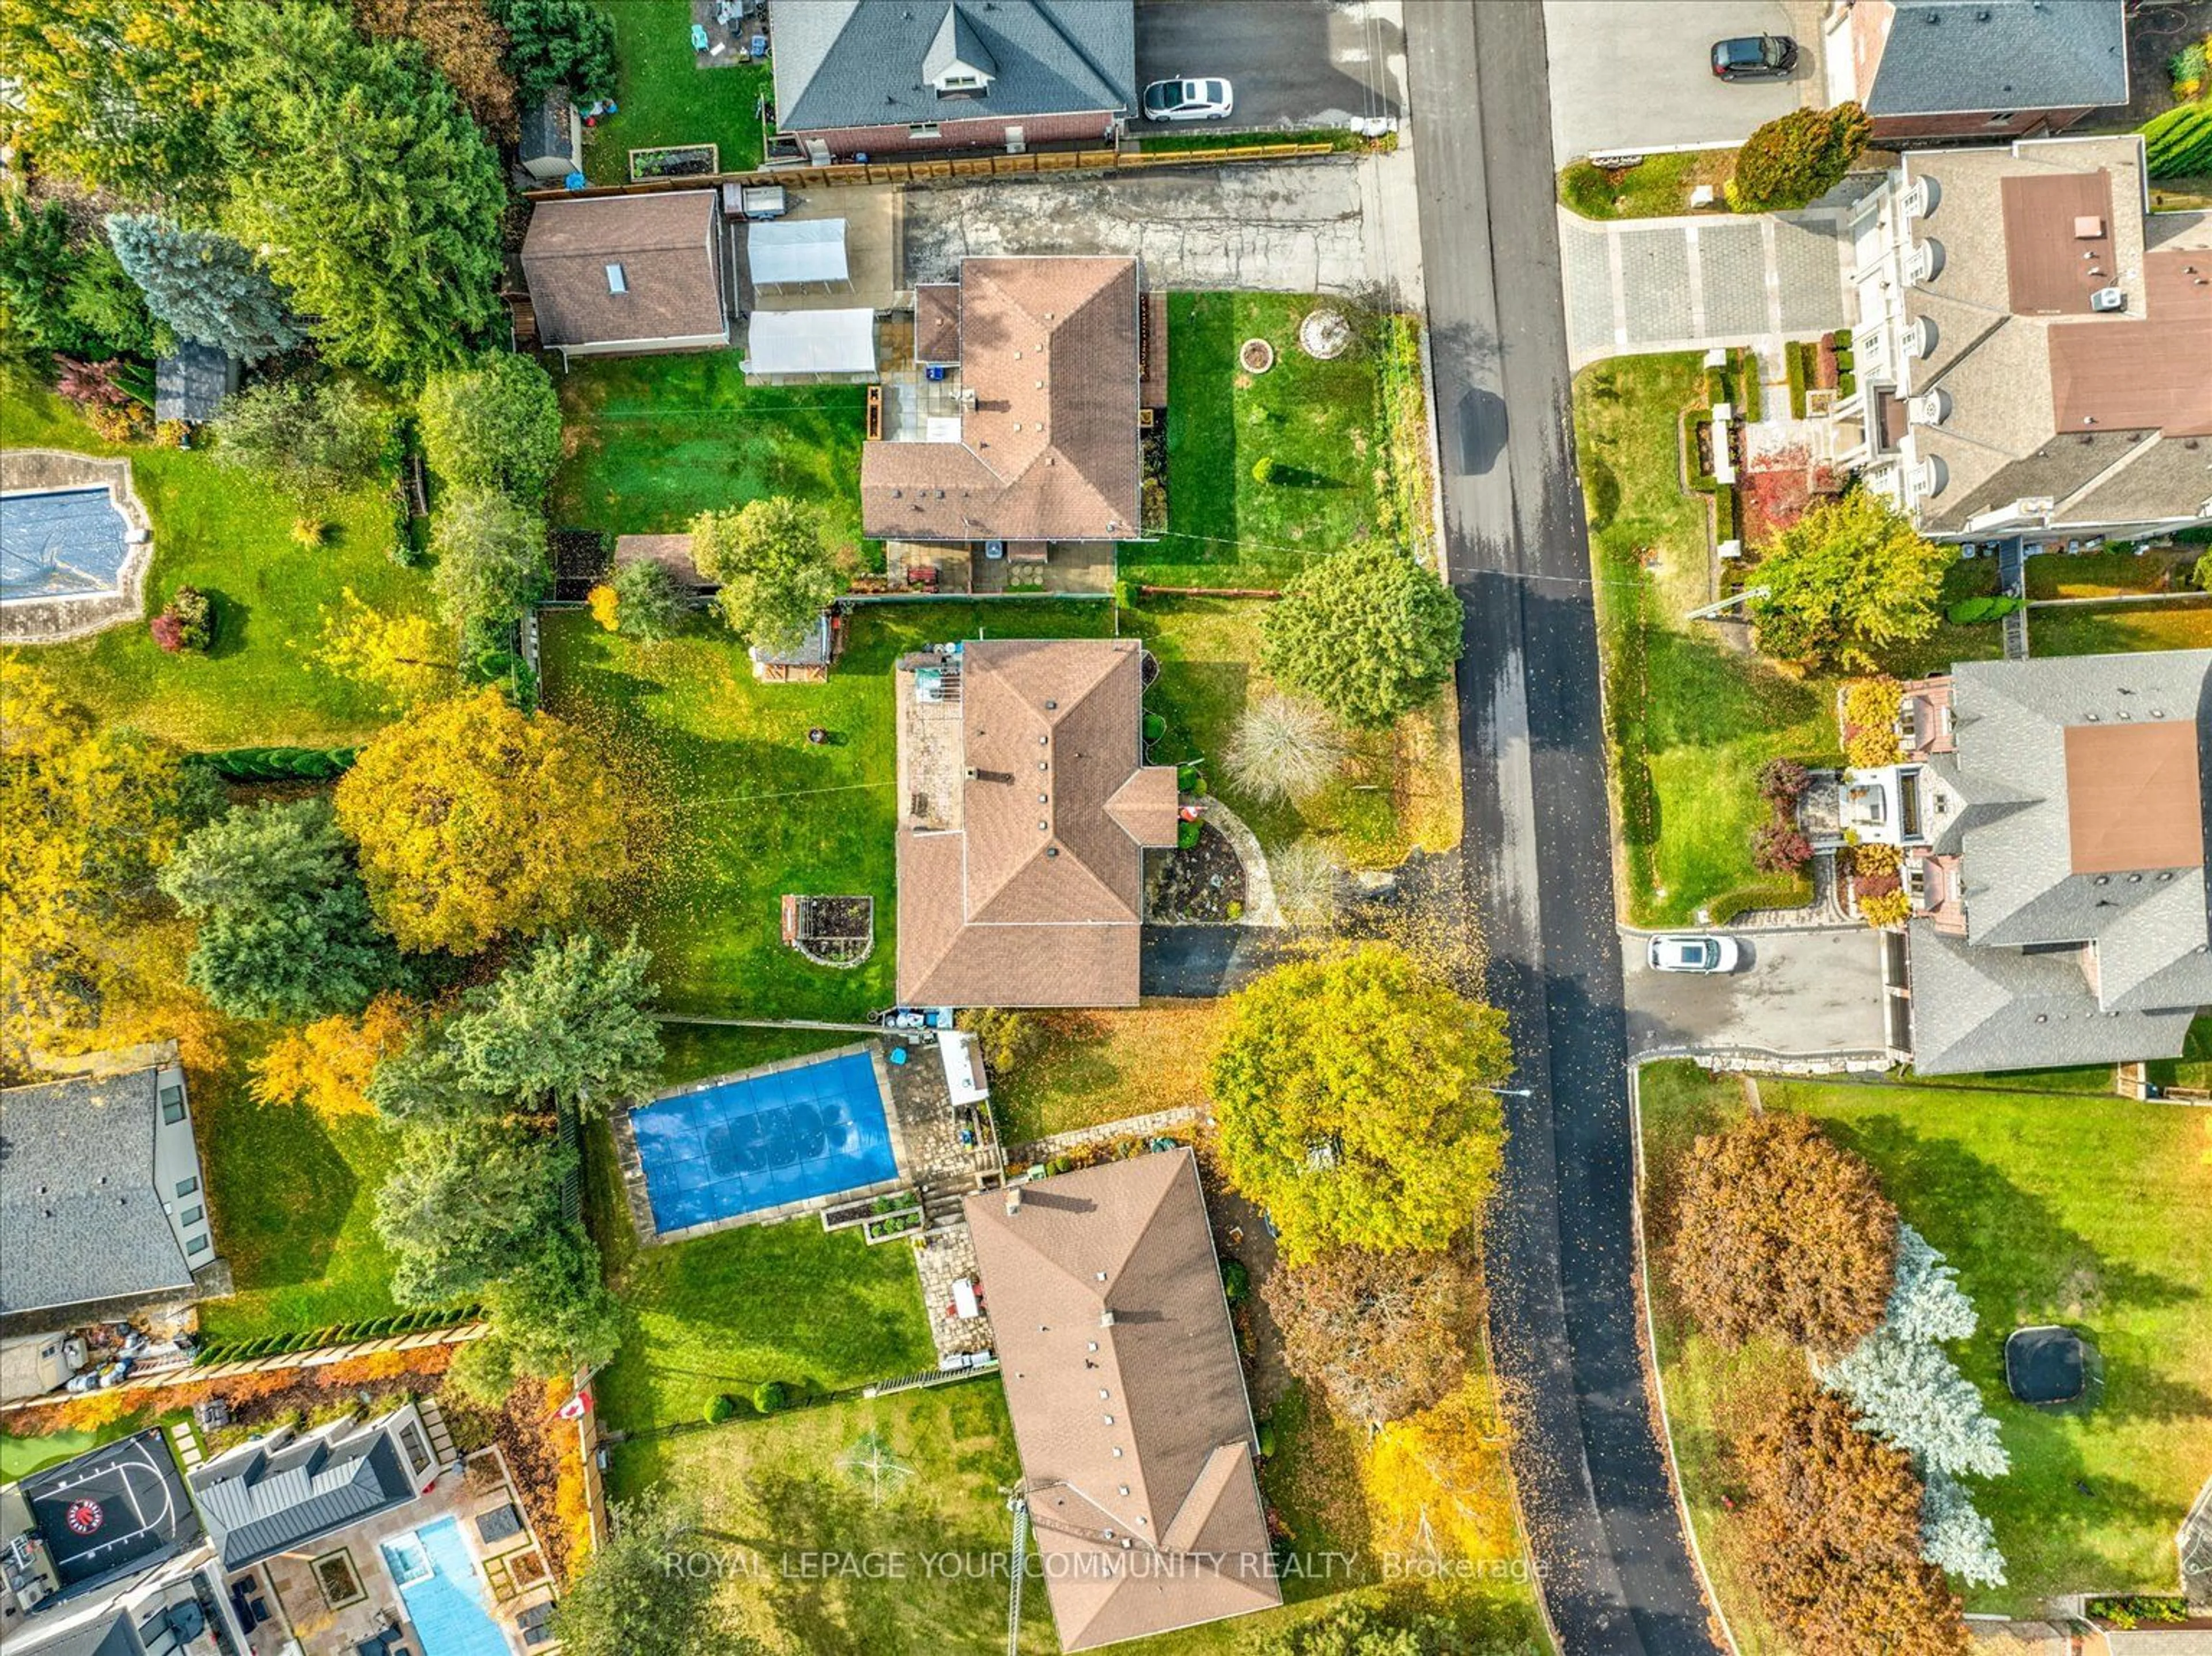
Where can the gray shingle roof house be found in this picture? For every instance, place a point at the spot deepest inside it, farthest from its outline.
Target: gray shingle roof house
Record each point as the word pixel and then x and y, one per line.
pixel 101 1207
pixel 191 384
pixel 1994 68
pixel 880 76
pixel 2066 824
pixel 280 1491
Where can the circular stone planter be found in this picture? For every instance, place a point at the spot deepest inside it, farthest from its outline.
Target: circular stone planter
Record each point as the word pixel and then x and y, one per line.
pixel 1256 355
pixel 1324 335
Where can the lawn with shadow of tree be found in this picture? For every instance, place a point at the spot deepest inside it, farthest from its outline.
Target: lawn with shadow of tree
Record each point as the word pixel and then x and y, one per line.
pixel 293 1202
pixel 2092 1212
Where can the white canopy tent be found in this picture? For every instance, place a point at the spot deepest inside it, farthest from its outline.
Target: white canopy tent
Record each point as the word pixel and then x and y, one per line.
pixel 797 252
pixel 780 342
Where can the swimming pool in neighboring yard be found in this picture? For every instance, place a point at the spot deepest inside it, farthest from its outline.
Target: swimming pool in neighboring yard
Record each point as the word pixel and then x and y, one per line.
pixel 760 1141
pixel 444 1593
pixel 61 543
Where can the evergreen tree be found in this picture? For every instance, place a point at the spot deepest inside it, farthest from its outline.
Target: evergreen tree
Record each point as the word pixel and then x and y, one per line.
pixel 205 286
pixel 558 43
pixel 1954 1536
pixel 569 1023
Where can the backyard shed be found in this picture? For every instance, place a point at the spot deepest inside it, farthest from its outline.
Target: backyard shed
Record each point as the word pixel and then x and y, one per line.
pixel 797 253
pixel 191 383
pixel 836 345
pixel 552 143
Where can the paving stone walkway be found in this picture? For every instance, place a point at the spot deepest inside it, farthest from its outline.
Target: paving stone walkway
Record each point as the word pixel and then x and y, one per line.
pixel 1639 285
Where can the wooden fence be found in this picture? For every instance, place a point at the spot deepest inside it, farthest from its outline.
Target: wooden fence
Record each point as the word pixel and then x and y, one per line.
pixel 992 165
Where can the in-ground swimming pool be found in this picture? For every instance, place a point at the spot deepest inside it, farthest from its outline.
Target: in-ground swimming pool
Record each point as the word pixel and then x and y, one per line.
pixel 61 542
pixel 760 1141
pixel 444 1593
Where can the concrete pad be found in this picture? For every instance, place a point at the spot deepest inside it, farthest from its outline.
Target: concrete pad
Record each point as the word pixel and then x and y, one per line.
pixel 1632 77
pixel 871 215
pixel 1340 224
pixel 1796 994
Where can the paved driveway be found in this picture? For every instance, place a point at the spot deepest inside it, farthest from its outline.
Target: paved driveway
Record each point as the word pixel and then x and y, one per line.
pixel 1340 224
pixel 1199 962
pixel 1635 76
pixel 1293 63
pixel 1796 994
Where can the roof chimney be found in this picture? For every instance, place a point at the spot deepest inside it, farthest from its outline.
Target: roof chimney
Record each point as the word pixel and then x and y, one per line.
pixel 1013 1200
pixel 1106 1318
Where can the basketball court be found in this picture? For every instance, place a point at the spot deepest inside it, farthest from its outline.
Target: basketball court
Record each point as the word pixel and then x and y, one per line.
pixel 117 1507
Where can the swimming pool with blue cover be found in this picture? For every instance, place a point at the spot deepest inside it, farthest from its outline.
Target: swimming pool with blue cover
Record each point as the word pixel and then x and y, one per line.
pixel 61 542
pixel 761 1140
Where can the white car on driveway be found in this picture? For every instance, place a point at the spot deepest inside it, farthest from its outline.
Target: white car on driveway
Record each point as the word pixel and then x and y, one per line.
pixel 1189 100
pixel 1680 951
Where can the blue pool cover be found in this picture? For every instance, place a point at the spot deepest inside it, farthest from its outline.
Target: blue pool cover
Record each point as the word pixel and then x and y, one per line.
pixel 438 1583
pixel 60 543
pixel 762 1141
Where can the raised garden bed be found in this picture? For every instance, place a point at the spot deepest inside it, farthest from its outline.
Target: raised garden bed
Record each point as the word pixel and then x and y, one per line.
pixel 869 1210
pixel 839 931
pixel 675 160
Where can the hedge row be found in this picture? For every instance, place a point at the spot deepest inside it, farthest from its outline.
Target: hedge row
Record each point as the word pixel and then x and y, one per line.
pixel 280 764
pixel 313 1339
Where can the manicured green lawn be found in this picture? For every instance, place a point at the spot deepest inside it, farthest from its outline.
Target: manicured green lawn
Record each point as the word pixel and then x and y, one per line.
pixel 2094 1212
pixel 229 536
pixel 665 97
pixel 757 811
pixel 816 1310
pixel 1690 723
pixel 1398 789
pixel 654 440
pixel 293 1202
pixel 1348 463
pixel 2094 629
pixel 1658 187
pixel 2106 574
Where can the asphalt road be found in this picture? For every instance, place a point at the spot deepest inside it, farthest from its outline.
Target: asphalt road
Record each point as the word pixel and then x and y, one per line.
pixel 1292 63
pixel 1816 992
pixel 1610 1556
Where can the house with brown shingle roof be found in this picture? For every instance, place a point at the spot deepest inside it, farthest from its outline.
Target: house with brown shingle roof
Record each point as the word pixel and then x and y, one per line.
pixel 1026 809
pixel 624 275
pixel 1127 1398
pixel 1031 431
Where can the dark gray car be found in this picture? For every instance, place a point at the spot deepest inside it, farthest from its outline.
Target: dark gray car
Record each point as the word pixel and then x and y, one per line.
pixel 1755 58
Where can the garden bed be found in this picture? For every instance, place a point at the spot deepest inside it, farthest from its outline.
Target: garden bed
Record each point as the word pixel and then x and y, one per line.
pixel 683 160
pixel 1203 884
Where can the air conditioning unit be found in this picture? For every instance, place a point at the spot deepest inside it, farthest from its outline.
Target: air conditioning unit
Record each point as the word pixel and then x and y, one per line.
pixel 2109 298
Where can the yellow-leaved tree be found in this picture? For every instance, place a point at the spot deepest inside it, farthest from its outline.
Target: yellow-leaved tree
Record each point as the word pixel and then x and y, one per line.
pixel 88 813
pixel 475 820
pixel 328 1064
pixel 1436 1482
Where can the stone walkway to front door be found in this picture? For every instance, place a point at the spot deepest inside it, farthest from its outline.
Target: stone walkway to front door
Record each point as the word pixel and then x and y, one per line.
pixel 1636 285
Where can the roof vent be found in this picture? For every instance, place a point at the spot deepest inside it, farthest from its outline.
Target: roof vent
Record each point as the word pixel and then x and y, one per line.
pixel 1052 851
pixel 1106 1318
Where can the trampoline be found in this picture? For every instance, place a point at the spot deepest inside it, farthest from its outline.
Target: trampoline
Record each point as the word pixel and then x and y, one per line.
pixel 762 1141
pixel 2045 1365
pixel 61 543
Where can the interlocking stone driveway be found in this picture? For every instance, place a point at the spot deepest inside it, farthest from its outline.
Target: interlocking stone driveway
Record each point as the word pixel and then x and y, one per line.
pixel 1684 283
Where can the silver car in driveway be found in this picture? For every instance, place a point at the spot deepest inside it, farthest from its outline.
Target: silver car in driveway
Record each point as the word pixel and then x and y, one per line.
pixel 1693 952
pixel 1189 101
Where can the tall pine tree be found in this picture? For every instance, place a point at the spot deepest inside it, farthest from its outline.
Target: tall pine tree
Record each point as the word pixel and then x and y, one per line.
pixel 205 286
